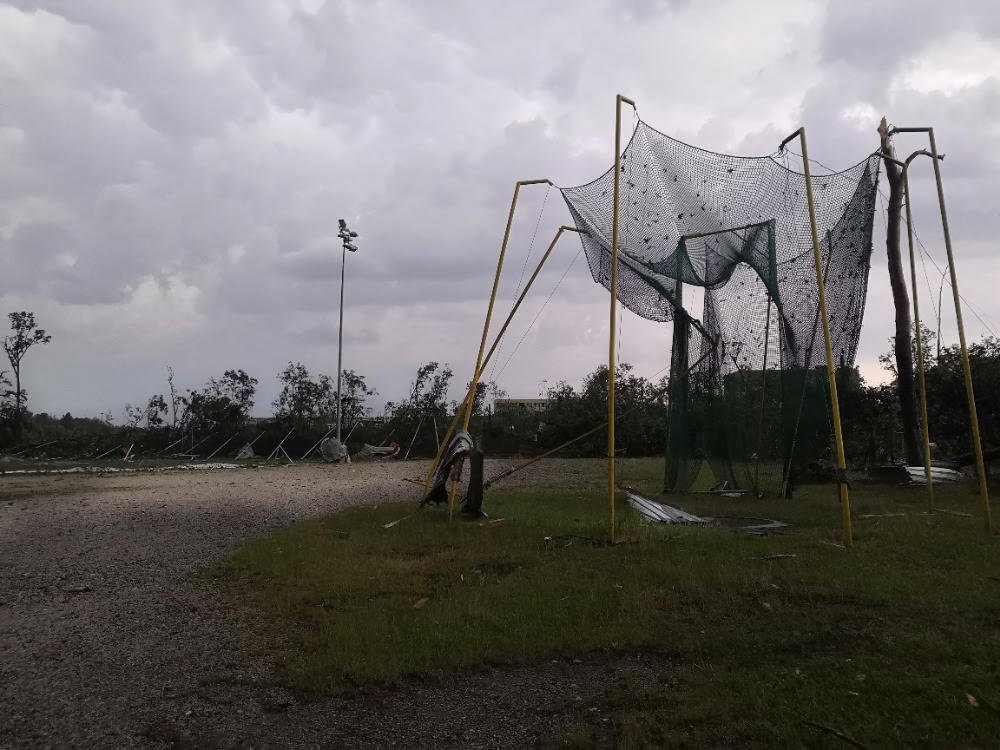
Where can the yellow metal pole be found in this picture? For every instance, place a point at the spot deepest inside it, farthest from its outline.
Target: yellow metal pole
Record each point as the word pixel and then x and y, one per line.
pixel 470 395
pixel 921 380
pixel 496 341
pixel 489 313
pixel 493 293
pixel 838 436
pixel 977 446
pixel 614 302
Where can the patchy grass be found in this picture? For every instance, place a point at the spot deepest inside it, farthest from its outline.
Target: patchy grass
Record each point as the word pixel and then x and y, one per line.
pixel 894 642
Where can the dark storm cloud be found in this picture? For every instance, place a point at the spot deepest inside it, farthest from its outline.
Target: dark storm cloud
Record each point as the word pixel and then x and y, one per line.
pixel 174 172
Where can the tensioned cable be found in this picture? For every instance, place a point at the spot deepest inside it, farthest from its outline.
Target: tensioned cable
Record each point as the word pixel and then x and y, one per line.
pixel 537 314
pixel 531 245
pixel 935 306
pixel 972 308
pixel 817 162
pixel 524 266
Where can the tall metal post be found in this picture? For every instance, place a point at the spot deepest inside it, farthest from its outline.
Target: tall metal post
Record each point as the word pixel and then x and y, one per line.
pixel 346 237
pixel 977 446
pixel 340 338
pixel 838 436
pixel 614 303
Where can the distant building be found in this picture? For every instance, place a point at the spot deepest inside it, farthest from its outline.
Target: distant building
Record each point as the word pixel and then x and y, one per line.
pixel 507 405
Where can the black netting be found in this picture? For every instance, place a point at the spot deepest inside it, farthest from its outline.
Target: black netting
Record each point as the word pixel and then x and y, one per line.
pixel 747 373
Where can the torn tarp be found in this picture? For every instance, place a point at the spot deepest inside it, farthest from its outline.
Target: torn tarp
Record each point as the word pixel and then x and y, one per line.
pixel 451 464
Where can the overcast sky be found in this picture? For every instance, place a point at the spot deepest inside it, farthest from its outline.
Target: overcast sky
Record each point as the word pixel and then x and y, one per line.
pixel 172 171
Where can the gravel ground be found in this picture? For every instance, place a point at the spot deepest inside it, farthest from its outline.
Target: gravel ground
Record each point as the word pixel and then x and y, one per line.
pixel 104 642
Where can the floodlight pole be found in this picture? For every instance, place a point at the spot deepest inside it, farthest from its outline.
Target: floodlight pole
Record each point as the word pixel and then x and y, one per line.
pixel 977 447
pixel 838 436
pixel 346 235
pixel 619 99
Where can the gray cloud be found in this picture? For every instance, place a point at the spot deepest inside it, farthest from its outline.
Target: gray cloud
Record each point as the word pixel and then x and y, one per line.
pixel 174 172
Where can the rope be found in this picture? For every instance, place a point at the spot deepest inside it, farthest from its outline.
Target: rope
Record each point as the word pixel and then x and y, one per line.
pixel 524 266
pixel 531 245
pixel 538 314
pixel 972 307
pixel 659 393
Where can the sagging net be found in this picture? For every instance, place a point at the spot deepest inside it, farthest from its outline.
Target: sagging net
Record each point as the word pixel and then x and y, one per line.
pixel 748 397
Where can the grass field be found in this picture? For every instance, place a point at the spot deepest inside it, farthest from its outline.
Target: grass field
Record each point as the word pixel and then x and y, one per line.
pixel 782 639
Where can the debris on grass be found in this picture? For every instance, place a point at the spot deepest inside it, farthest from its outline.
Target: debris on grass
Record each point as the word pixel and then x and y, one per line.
pixel 953 512
pixel 828 543
pixel 835 732
pixel 663 513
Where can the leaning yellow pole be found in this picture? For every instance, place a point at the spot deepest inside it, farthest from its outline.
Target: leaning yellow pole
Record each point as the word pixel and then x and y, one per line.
pixel 489 314
pixel 921 380
pixel 470 395
pixel 471 400
pixel 493 293
pixel 977 446
pixel 838 436
pixel 614 302
pixel 499 336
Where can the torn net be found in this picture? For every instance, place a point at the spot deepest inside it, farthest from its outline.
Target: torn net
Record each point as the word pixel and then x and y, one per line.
pixel 748 402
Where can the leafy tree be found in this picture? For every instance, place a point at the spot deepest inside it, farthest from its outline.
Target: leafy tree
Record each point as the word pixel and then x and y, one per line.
pixel 948 412
pixel 133 416
pixel 174 398
pixel 25 336
pixel 946 400
pixel 304 399
pixel 8 407
pixel 428 393
pixel 353 392
pixel 639 403
pixel 156 410
pixel 484 390
pixel 224 402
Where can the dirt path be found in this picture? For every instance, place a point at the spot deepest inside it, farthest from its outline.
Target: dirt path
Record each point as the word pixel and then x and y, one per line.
pixel 104 642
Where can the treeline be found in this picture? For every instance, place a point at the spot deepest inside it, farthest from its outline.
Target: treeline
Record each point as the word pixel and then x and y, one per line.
pixel 216 418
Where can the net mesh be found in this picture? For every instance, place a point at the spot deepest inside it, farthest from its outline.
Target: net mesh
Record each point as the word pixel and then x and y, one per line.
pixel 748 394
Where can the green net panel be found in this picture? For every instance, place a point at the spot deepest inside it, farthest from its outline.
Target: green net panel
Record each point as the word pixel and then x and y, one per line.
pixel 748 400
